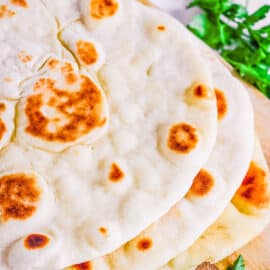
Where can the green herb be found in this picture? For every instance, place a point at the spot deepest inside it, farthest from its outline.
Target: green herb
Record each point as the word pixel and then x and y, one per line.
pixel 228 28
pixel 238 264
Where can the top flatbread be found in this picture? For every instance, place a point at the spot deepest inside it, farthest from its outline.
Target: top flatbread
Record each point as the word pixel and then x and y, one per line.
pixel 212 188
pixel 110 150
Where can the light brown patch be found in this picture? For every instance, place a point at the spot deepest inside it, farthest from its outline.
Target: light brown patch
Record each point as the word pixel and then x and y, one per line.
pixel 36 241
pixel 222 106
pixel 103 230
pixel 53 63
pixel 69 73
pixel 87 52
pixel 3 127
pixel 182 138
pixel 161 28
pixel 254 188
pixel 5 12
pixel 116 174
pixel 8 79
pixel 21 3
pixel 24 57
pixel 202 184
pixel 100 9
pixel 80 110
pixel 82 266
pixel 18 195
pixel 144 244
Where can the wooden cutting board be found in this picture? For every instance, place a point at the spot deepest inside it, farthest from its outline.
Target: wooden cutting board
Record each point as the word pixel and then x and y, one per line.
pixel 257 252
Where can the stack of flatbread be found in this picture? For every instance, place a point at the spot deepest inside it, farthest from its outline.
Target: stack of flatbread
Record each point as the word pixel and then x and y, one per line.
pixel 125 144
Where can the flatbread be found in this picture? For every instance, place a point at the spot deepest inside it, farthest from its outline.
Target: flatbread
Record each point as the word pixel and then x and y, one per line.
pixel 64 12
pixel 109 174
pixel 27 36
pixel 243 219
pixel 212 188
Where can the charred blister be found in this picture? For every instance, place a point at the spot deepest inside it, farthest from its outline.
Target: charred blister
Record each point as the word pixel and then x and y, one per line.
pixel 36 241
pixel 20 3
pixel 202 184
pixel 144 244
pixel 182 138
pixel 161 28
pixel 101 9
pixel 19 195
pixel 87 52
pixel 254 190
pixel 222 106
pixel 116 174
pixel 82 266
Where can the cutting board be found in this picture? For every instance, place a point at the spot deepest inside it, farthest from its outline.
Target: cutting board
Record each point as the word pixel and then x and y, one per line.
pixel 257 252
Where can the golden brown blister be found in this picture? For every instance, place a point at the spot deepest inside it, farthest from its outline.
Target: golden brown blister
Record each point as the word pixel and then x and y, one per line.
pixel 254 192
pixel 36 241
pixel 100 9
pixel 202 184
pixel 19 194
pixel 63 108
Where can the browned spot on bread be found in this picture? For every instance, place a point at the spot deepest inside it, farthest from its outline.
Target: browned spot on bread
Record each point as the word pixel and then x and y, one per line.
pixel 221 104
pixel 161 28
pixel 3 127
pixel 2 107
pixel 24 57
pixel 18 195
pixel 254 188
pixel 53 63
pixel 103 230
pixel 182 138
pixel 8 79
pixel 69 73
pixel 21 3
pixel 5 12
pixel 144 244
pixel 82 266
pixel 116 174
pixel 202 184
pixel 87 52
pixel 100 9
pixel 201 91
pixel 36 241
pixel 80 110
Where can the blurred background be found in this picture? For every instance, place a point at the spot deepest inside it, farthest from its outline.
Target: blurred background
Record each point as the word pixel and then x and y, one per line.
pixel 178 8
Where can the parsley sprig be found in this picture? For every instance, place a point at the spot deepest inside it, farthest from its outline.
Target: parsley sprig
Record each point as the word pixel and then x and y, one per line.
pixel 229 28
pixel 238 264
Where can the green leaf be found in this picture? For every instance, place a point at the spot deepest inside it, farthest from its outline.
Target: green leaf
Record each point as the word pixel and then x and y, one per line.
pixel 258 15
pixel 198 25
pixel 238 264
pixel 228 28
pixel 236 12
